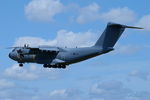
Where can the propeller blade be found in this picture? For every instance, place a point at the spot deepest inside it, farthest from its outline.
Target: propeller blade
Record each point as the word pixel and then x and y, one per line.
pixel 25 46
pixel 12 47
pixel 19 51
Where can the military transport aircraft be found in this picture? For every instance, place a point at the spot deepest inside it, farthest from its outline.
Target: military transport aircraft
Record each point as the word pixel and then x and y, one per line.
pixel 58 57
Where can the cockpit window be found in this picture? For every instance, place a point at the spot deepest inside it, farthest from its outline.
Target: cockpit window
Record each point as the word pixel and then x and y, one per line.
pixel 13 50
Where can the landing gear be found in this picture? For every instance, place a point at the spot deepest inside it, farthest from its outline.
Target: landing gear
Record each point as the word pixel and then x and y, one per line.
pixel 54 66
pixel 21 65
pixel 45 65
pixel 63 66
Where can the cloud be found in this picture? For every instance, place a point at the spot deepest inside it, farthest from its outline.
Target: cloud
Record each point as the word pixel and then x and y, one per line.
pixel 29 73
pixel 119 15
pixel 111 90
pixel 145 22
pixel 89 13
pixel 70 38
pixel 92 13
pixel 46 10
pixel 65 94
pixel 6 84
pixel 12 91
pixel 140 74
pixel 14 94
pixel 63 38
pixel 43 10
pixel 127 49
pixel 115 90
pixel 33 41
pixel 106 90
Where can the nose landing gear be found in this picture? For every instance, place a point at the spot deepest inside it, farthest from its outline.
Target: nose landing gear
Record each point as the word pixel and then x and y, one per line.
pixel 20 65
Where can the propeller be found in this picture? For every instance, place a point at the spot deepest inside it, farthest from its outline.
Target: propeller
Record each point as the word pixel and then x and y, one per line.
pixel 20 53
pixel 21 56
pixel 25 46
pixel 19 50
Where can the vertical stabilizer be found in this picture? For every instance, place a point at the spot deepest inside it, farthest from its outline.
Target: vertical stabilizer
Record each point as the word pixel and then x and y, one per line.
pixel 111 35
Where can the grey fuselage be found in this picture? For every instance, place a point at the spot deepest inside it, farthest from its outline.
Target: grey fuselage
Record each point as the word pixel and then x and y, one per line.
pixel 66 55
pixel 74 55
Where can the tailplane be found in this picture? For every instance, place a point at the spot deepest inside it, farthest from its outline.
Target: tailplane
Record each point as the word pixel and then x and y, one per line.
pixel 111 35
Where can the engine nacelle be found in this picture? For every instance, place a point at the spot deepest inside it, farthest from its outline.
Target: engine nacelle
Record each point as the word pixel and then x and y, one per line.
pixel 28 58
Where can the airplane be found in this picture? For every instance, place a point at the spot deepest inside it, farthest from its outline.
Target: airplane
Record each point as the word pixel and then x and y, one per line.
pixel 59 57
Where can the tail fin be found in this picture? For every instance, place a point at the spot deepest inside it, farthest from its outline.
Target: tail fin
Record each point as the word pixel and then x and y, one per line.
pixel 111 35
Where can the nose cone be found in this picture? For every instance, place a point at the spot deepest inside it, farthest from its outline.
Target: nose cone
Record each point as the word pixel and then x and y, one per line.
pixel 12 55
pixel 9 55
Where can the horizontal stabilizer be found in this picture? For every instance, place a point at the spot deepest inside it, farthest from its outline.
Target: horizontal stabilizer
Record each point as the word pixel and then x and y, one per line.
pixel 124 26
pixel 133 27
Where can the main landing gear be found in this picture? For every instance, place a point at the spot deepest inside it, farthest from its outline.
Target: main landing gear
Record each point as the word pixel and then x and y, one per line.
pixel 54 66
pixel 20 65
pixel 49 66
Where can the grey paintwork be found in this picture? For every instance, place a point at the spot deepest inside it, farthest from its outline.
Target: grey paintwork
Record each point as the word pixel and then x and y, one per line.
pixel 60 57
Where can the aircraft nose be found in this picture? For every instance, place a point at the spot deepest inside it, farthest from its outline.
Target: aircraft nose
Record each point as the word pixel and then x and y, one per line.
pixel 9 55
pixel 12 55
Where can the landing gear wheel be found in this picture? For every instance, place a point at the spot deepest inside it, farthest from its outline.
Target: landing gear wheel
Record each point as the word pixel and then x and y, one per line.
pixel 45 66
pixel 20 65
pixel 63 67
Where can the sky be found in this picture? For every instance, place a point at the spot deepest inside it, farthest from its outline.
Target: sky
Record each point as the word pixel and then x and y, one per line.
pixel 123 74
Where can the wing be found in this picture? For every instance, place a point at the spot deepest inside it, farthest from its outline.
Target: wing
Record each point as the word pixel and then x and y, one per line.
pixel 44 55
pixel 43 50
pixel 57 61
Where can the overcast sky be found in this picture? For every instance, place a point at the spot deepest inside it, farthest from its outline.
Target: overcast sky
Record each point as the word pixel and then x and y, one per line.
pixel 123 74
